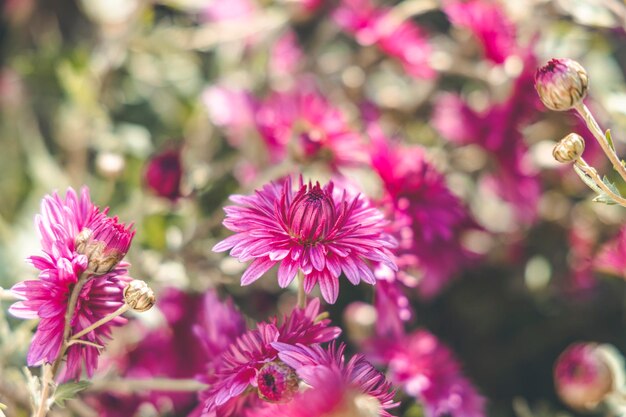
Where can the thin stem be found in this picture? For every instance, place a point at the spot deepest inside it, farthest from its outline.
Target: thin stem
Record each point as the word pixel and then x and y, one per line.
pixel 593 174
pixel 597 132
pixel 301 293
pixel 152 384
pixel 123 309
pixel 46 382
pixel 84 342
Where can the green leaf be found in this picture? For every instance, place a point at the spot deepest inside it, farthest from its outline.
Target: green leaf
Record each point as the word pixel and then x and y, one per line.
pixel 609 139
pixel 68 391
pixel 605 198
pixel 587 180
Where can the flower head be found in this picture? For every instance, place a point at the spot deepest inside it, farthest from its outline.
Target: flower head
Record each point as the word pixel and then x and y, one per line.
pixel 561 84
pixel 79 241
pixel 582 376
pixel 318 230
pixel 164 173
pixel 252 361
pixel 569 149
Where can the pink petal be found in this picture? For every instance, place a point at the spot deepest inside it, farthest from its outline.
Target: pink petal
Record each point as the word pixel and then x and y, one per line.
pixel 256 270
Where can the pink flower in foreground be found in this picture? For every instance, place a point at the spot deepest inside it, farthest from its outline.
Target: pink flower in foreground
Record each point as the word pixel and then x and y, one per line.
pixel 164 173
pixel 320 231
pixel 77 238
pixel 335 388
pixel 611 257
pixel 428 371
pixel 402 40
pixel 427 219
pixel 582 376
pixel 252 362
pixel 489 23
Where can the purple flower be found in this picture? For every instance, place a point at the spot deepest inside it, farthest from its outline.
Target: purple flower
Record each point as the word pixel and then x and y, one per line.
pixel 320 231
pixel 252 357
pixel 335 387
pixel 164 173
pixel 77 238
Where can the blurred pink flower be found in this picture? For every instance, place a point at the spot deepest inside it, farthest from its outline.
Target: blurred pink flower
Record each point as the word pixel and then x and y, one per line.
pixel 498 130
pixel 335 387
pixel 427 219
pixel 317 230
pixel 488 22
pixel 286 56
pixel 402 40
pixel 428 371
pixel 611 258
pixel 305 123
pixel 77 238
pixel 232 110
pixel 164 173
pixel 245 365
pixel 224 10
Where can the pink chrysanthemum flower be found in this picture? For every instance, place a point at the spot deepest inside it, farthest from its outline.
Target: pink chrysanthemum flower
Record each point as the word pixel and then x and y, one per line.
pixel 335 388
pixel 77 238
pixel 402 40
pixel 428 371
pixel 320 231
pixel 611 257
pixel 253 363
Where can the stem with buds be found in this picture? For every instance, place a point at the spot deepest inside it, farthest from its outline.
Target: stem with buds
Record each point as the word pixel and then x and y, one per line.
pixel 593 174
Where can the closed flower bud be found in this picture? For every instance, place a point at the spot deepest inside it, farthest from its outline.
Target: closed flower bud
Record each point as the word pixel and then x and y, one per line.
pixel 583 376
pixel 139 296
pixel 104 243
pixel 569 149
pixel 561 84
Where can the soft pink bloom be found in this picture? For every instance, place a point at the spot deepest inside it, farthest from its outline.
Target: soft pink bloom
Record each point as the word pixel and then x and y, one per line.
pixel 581 244
pixel 245 364
pixel 164 173
pixel 402 40
pixel 611 257
pixel 582 376
pixel 320 231
pixel 427 219
pixel 427 370
pixel 225 10
pixel 232 110
pixel 76 238
pixel 488 22
pixel 498 130
pixel 393 308
pixel 286 56
pixel 335 387
pixel 303 122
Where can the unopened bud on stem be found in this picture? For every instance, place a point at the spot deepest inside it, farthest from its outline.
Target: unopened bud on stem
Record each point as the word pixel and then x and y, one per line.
pixel 569 149
pixel 139 296
pixel 561 84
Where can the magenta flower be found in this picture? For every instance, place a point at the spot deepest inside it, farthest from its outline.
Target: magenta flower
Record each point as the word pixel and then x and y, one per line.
pixel 611 257
pixel 402 40
pixel 77 238
pixel 582 376
pixel 427 219
pixel 489 23
pixel 252 362
pixel 335 387
pixel 428 371
pixel 164 173
pixel 320 231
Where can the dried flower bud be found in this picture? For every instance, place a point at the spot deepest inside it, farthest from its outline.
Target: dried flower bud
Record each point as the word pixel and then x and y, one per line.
pixel 561 84
pixel 583 376
pixel 569 149
pixel 139 296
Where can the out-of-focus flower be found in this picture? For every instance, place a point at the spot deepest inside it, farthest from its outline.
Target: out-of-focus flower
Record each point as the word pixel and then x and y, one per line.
pixel 428 371
pixel 498 131
pixel 320 231
pixel 582 376
pixel 224 10
pixel 561 84
pixel 402 40
pixel 611 257
pixel 427 218
pixel 335 388
pixel 569 149
pixel 285 56
pixel 245 365
pixel 198 329
pixel 164 173
pixel 232 110
pixel 393 309
pixel 305 124
pixel 360 320
pixel 489 23
pixel 77 239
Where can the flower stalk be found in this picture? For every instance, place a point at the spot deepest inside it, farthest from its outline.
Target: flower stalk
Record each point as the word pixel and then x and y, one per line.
pixel 301 293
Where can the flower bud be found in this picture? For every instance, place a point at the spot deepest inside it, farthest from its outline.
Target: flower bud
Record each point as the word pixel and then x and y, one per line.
pixel 139 296
pixel 164 173
pixel 561 84
pixel 569 149
pixel 583 376
pixel 104 243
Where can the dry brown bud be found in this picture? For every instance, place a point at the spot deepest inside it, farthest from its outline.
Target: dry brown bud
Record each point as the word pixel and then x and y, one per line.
pixel 139 296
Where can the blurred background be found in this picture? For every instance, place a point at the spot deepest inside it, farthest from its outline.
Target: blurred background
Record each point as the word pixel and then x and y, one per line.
pixel 162 109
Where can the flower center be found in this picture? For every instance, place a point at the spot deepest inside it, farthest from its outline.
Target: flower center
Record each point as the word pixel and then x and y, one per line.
pixel 276 382
pixel 311 215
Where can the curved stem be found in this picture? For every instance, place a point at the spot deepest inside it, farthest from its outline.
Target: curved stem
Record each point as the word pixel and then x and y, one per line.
pixel 152 384
pixel 597 132
pixel 593 174
pixel 123 309
pixel 301 293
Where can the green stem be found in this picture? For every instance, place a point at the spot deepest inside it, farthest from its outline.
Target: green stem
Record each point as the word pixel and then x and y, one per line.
pixel 301 293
